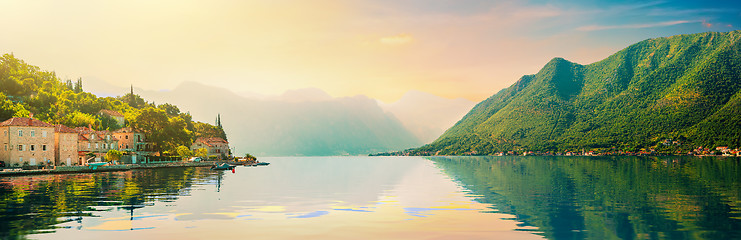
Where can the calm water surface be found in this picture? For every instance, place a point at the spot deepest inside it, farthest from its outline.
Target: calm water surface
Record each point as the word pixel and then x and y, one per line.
pixel 387 198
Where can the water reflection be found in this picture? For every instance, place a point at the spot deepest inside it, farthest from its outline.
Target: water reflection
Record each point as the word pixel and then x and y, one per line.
pixel 610 197
pixel 38 204
pixel 305 198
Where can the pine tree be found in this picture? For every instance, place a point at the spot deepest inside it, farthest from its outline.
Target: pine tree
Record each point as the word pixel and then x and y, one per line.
pixel 69 85
pixel 78 86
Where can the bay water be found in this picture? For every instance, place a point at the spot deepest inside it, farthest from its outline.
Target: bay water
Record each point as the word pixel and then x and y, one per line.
pixel 387 198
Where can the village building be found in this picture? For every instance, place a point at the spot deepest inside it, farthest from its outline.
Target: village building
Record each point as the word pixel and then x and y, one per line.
pixel 65 146
pixel 26 141
pixel 93 144
pixel 216 146
pixel 114 115
pixel 131 140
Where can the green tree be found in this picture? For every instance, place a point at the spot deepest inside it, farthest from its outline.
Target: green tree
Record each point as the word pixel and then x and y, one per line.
pixel 8 109
pixel 78 86
pixel 170 109
pixel 78 119
pixel 201 152
pixel 113 155
pixel 184 152
pixel 108 123
pixel 165 133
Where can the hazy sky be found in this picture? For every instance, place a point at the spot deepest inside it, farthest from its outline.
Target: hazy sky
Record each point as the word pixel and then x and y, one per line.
pixel 380 48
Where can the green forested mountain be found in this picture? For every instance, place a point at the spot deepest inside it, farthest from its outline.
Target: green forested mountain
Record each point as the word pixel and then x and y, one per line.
pixel 26 89
pixel 686 88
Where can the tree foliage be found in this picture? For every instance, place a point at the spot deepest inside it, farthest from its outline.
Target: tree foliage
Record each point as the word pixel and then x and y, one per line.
pixel 113 155
pixel 681 87
pixel 26 89
pixel 164 132
pixel 184 152
pixel 201 152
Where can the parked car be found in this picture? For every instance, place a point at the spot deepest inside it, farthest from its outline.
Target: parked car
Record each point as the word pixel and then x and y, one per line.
pixel 195 159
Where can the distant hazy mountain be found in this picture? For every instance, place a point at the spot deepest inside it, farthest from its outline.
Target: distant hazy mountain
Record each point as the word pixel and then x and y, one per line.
pixel 685 87
pixel 303 122
pixel 427 115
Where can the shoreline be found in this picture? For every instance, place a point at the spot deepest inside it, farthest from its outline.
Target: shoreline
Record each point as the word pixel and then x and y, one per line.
pixel 113 168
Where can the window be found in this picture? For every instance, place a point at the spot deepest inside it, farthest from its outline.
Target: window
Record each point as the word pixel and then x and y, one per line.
pixel 20 133
pixel 88 145
pixel 33 133
pixel 92 137
pixel 96 146
pixel 20 159
pixel 5 133
pixel 108 138
pixel 127 136
pixel 20 147
pixel 43 147
pixel 43 133
pixel 113 146
pixel 33 147
pixel 6 147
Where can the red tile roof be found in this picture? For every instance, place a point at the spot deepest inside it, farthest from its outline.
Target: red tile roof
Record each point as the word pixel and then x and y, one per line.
pixel 111 113
pixel 28 122
pixel 63 129
pixel 82 131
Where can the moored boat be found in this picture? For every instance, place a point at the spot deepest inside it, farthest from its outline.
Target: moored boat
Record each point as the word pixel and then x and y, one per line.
pixel 223 166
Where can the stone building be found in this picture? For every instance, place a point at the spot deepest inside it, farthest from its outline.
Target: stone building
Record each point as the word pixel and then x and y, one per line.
pixel 95 143
pixel 216 146
pixel 130 140
pixel 65 146
pixel 26 141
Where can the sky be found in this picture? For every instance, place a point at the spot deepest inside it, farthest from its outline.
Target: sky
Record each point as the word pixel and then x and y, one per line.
pixel 378 48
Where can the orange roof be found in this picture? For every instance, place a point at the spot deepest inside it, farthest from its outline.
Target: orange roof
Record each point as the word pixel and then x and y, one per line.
pixel 111 113
pixel 28 122
pixel 82 131
pixel 63 129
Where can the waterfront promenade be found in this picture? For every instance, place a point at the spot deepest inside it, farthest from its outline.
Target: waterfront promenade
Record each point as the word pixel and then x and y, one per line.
pixel 109 168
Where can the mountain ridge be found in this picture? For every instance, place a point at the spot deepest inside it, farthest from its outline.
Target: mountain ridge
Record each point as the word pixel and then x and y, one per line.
pixel 657 89
pixel 277 127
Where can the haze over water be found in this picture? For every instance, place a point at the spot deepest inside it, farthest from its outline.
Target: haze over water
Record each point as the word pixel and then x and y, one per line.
pixel 387 198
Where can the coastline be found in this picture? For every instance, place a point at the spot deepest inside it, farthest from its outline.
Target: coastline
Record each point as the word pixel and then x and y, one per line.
pixel 113 168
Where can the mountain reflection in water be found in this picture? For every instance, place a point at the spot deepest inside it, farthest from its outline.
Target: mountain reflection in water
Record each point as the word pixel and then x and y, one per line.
pixel 609 197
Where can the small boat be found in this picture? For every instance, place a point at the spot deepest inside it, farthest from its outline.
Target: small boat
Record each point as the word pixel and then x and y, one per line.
pixel 95 165
pixel 223 166
pixel 261 164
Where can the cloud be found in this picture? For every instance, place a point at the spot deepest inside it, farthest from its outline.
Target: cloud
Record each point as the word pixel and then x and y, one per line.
pixel 632 26
pixel 396 40
pixel 686 12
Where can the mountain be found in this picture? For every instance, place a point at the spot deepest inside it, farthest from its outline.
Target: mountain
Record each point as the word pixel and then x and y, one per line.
pixel 298 123
pixel 426 115
pixel 684 88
